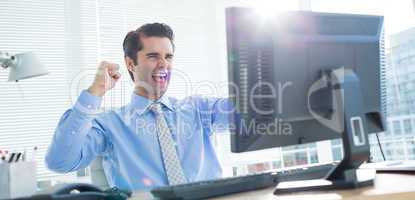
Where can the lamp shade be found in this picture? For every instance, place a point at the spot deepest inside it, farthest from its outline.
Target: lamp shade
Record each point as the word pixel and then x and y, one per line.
pixel 26 65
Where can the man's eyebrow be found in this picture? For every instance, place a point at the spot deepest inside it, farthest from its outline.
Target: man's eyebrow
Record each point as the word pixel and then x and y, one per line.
pixel 152 54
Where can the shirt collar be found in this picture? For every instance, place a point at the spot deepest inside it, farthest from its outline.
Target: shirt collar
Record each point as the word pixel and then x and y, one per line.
pixel 141 104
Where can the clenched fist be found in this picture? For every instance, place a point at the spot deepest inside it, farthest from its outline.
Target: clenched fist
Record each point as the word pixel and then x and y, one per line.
pixel 105 79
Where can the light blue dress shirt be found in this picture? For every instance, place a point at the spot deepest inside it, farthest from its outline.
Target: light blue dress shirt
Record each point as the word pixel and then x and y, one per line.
pixel 126 139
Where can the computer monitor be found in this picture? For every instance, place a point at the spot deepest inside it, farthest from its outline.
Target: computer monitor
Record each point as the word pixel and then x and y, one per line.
pixel 301 77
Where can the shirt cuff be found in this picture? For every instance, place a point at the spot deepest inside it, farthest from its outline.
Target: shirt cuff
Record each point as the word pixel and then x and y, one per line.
pixel 88 103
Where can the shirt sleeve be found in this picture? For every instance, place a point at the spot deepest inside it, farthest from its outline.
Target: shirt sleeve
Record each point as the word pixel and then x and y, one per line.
pixel 79 136
pixel 215 113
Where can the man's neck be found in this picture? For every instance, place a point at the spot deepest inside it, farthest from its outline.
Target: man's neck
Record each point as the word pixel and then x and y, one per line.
pixel 154 96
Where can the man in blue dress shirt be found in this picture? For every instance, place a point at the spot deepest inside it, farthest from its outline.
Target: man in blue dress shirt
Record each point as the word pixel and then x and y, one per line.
pixel 127 138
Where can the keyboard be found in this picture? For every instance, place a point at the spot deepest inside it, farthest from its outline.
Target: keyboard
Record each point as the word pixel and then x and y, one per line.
pixel 224 186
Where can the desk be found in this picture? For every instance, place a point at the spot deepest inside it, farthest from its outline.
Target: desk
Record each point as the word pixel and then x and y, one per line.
pixel 387 187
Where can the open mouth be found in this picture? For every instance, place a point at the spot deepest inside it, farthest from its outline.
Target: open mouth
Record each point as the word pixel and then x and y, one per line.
pixel 160 77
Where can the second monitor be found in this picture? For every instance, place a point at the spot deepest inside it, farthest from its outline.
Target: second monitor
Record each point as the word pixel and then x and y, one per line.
pixel 303 77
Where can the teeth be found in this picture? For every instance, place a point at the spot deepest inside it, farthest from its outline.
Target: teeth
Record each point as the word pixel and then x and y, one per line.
pixel 160 74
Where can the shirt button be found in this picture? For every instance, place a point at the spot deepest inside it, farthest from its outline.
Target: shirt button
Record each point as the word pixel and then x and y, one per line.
pixel 89 106
pixel 73 132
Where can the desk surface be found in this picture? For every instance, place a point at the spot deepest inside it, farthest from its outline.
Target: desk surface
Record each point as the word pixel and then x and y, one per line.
pixel 386 187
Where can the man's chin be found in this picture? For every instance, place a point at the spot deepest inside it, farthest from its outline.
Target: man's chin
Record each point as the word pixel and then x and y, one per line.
pixel 159 90
pixel 154 92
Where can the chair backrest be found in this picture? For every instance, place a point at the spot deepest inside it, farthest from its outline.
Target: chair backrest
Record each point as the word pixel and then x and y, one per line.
pixel 98 177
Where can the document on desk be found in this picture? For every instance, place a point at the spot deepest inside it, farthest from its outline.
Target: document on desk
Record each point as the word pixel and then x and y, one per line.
pixel 391 166
pixel 307 183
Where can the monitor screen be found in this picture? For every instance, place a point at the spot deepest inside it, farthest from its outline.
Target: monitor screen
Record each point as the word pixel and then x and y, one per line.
pixel 275 68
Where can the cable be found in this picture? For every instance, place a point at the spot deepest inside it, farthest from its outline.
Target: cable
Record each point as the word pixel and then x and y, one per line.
pixel 380 147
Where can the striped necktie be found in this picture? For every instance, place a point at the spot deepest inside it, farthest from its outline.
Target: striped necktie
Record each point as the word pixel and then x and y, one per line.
pixel 171 161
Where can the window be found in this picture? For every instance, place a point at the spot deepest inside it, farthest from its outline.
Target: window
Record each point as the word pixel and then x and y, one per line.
pixel 396 127
pixel 276 164
pixel 407 126
pixel 234 171
pixel 395 150
pixel 313 157
pixel 258 167
pixel 295 158
pixel 337 149
pixel 410 145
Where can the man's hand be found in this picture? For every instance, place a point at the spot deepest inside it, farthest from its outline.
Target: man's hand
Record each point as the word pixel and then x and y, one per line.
pixel 105 79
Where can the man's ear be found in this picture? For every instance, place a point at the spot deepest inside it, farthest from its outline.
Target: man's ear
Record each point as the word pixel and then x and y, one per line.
pixel 129 63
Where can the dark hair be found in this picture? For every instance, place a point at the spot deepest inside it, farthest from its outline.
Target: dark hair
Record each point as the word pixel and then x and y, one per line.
pixel 132 43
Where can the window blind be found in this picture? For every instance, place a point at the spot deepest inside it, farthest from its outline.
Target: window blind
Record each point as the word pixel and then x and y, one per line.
pixel 71 37
pixel 29 109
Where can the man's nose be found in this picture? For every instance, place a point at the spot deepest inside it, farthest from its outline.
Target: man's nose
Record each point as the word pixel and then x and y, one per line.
pixel 163 63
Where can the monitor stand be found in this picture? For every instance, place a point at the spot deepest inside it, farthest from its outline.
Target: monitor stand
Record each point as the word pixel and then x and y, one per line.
pixel 351 124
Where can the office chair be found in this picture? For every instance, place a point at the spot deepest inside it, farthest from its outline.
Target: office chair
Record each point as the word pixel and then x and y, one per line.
pixel 98 177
